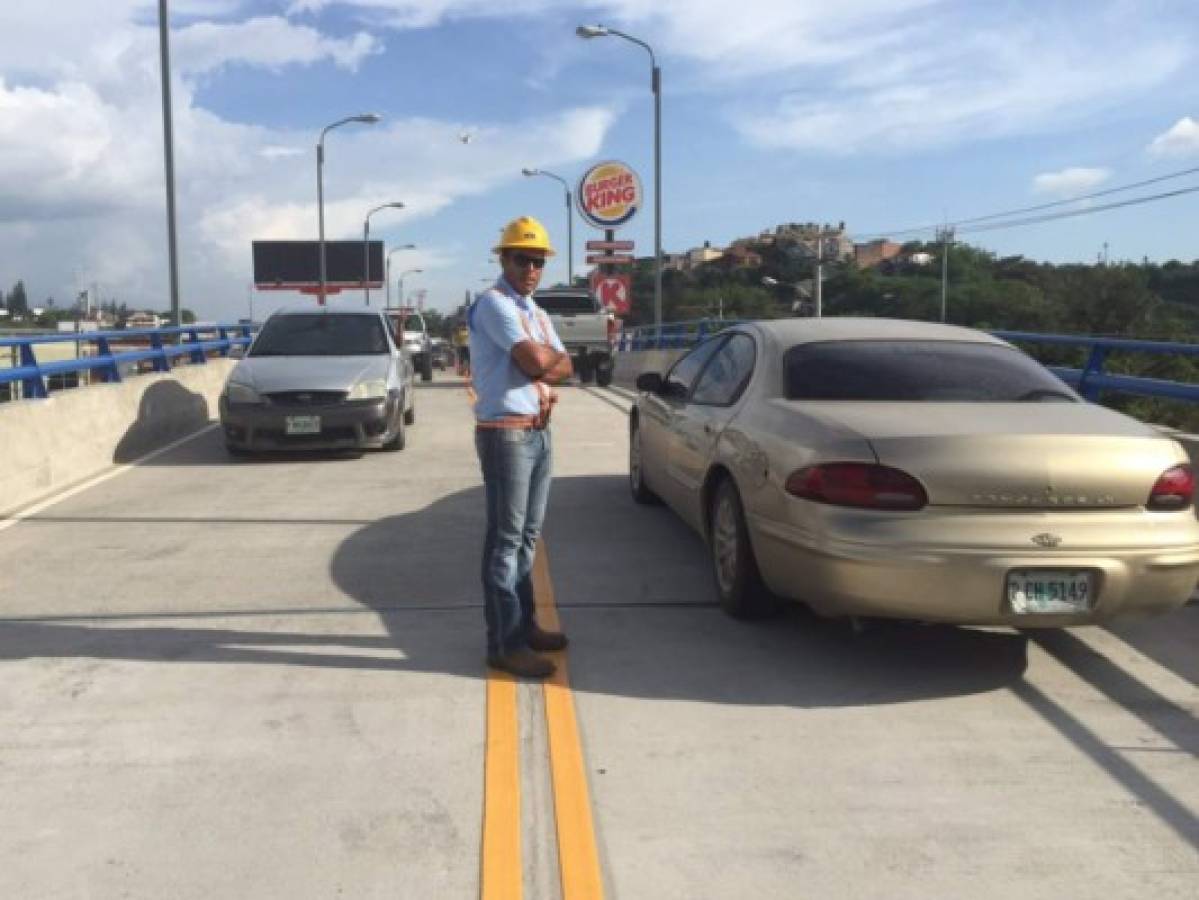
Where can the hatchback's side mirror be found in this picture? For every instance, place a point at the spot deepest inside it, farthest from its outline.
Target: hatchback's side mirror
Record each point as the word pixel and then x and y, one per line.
pixel 649 382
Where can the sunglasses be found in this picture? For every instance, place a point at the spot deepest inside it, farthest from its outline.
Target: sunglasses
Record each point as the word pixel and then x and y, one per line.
pixel 523 261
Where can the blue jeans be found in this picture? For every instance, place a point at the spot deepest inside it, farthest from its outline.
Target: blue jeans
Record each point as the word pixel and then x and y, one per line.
pixel 517 468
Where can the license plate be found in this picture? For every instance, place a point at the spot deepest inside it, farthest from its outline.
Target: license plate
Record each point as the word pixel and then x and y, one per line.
pixel 303 424
pixel 1032 591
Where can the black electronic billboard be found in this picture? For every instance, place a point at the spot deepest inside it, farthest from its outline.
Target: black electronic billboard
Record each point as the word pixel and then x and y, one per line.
pixel 295 264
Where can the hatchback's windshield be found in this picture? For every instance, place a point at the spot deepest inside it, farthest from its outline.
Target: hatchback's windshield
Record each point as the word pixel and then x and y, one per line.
pixel 928 371
pixel 566 303
pixel 321 334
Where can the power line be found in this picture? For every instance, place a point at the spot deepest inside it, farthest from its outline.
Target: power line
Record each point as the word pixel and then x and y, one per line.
pixel 1042 206
pixel 1033 220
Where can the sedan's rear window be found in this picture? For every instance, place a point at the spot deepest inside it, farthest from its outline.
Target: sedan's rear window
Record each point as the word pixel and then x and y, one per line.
pixel 915 371
pixel 560 304
pixel 321 334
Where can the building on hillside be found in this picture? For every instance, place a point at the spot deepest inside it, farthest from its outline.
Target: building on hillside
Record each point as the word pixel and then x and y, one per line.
pixel 698 256
pixel 143 320
pixel 740 256
pixel 872 253
pixel 811 239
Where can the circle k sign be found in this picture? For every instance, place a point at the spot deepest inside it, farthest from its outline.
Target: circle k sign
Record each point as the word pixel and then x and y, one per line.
pixel 609 195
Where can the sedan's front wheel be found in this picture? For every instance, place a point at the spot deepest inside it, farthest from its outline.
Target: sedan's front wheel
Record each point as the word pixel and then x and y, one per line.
pixel 641 493
pixel 738 581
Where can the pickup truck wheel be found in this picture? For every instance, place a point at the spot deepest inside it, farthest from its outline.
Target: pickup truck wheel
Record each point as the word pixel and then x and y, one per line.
pixel 586 371
pixel 603 373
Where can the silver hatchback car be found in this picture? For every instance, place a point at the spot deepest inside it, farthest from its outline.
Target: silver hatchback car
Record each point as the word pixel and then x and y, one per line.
pixel 318 378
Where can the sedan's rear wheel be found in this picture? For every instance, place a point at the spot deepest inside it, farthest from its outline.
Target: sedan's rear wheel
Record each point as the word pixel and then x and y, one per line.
pixel 641 493
pixel 738 582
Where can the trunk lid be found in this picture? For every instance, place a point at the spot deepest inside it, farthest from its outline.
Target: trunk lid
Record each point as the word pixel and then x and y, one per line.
pixel 1015 455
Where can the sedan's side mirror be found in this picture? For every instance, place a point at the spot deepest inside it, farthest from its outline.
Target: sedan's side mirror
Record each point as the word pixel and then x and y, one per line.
pixel 650 382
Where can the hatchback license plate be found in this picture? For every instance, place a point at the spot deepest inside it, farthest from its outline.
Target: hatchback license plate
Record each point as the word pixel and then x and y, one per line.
pixel 303 424
pixel 1032 591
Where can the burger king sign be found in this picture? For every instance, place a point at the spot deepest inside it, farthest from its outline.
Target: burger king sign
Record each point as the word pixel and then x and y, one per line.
pixel 609 195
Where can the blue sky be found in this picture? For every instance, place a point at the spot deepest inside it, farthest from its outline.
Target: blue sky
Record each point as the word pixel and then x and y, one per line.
pixel 882 114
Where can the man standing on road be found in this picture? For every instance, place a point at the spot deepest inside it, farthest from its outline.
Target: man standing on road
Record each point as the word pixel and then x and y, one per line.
pixel 515 357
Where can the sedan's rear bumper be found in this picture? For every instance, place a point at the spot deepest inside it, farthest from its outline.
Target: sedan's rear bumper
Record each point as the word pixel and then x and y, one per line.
pixel 964 581
pixel 350 425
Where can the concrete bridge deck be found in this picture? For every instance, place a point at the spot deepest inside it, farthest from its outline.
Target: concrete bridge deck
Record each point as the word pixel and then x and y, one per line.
pixel 265 679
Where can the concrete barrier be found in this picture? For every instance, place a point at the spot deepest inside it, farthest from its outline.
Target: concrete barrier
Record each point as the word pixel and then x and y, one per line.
pixel 633 362
pixel 51 444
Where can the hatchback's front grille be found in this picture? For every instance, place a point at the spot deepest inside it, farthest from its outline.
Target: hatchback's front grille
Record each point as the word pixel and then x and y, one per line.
pixel 306 398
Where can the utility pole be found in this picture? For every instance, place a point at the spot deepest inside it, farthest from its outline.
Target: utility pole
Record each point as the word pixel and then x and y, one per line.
pixel 168 142
pixel 945 236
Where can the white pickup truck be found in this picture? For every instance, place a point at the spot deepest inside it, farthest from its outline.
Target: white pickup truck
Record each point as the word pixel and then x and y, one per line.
pixel 585 328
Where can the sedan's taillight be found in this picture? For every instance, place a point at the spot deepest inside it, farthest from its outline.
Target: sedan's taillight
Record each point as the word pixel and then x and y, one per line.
pixel 1175 489
pixel 865 485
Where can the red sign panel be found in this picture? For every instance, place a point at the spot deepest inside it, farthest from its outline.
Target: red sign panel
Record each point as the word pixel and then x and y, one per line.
pixel 613 291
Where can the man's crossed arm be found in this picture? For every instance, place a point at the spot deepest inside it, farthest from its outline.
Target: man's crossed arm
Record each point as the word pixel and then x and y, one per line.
pixel 541 362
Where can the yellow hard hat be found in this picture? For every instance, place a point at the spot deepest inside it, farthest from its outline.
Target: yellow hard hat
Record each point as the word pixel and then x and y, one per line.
pixel 525 233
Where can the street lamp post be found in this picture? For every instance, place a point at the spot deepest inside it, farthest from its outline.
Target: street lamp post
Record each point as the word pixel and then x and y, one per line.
pixel 365 119
pixel 945 235
pixel 402 274
pixel 594 31
pixel 168 143
pixel 366 246
pixel 387 274
pixel 570 238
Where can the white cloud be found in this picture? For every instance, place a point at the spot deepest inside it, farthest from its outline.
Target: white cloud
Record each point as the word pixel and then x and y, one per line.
pixel 1069 182
pixel 1182 139
pixel 269 42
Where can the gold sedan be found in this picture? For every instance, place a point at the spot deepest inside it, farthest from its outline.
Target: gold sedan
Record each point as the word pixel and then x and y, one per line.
pixel 877 467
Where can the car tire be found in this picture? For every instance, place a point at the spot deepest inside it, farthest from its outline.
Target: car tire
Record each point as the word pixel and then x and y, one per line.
pixel 603 373
pixel 637 486
pixel 739 585
pixel 426 369
pixel 400 438
pixel 410 414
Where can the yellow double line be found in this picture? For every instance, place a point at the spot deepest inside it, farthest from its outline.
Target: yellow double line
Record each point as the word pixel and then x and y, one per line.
pixel 578 860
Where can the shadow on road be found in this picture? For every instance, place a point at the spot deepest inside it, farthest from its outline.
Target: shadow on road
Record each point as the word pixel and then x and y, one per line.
pixel 167 411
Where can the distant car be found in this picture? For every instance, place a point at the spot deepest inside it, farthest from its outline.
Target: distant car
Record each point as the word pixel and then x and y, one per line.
pixel 876 467
pixel 442 354
pixel 585 328
pixel 411 333
pixel 319 378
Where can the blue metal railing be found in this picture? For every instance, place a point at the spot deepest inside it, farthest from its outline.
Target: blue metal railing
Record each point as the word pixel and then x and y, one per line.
pixel 671 335
pixel 107 357
pixel 1090 381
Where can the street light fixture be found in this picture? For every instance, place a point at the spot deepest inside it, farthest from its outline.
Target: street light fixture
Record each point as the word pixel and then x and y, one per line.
pixel 387 274
pixel 774 282
pixel 596 31
pixel 402 274
pixel 366 246
pixel 364 119
pixel 570 238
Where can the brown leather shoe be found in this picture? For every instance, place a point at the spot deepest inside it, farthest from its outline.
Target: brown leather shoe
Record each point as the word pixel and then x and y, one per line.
pixel 545 641
pixel 523 664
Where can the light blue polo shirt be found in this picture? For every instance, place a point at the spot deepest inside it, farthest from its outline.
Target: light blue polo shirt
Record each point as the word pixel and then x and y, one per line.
pixel 495 328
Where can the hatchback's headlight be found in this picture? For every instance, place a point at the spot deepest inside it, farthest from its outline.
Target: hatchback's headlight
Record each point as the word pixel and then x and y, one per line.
pixel 241 393
pixel 369 389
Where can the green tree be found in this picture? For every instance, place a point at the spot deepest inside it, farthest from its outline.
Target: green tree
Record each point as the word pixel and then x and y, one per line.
pixel 18 302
